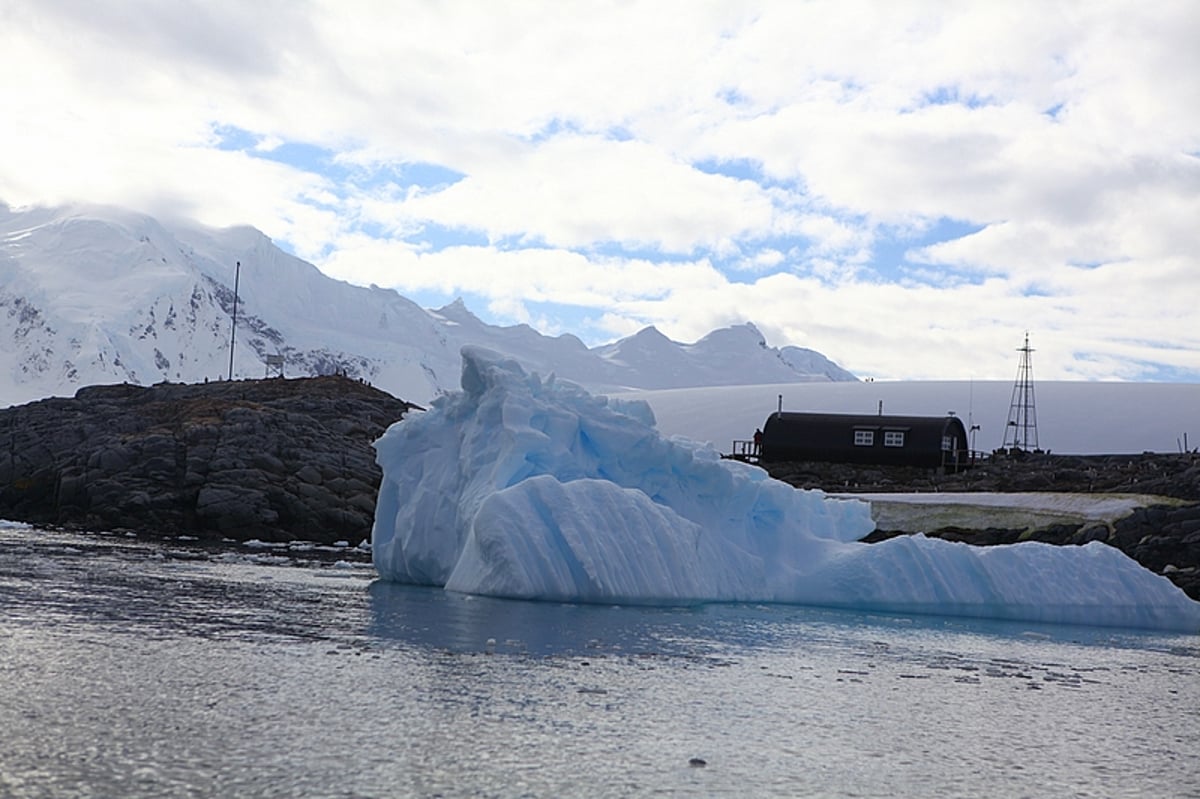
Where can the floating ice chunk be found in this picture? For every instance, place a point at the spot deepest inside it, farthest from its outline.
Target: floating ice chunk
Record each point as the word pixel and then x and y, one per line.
pixel 523 487
pixel 506 427
pixel 1094 584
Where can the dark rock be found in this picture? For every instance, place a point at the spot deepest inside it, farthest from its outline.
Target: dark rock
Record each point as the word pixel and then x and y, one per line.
pixel 1188 526
pixel 271 459
pixel 1054 534
pixel 1089 533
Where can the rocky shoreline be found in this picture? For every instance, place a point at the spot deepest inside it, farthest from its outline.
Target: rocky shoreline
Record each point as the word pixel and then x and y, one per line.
pixel 285 460
pixel 1163 534
pixel 1175 475
pixel 274 460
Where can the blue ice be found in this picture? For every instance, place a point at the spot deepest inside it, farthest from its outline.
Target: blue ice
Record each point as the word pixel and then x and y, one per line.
pixel 528 487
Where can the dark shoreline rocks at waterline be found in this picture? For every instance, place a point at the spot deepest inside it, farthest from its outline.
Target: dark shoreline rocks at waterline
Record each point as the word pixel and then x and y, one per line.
pixel 275 460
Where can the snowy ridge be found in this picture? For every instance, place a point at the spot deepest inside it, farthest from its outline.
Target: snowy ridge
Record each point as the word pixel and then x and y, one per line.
pixel 721 358
pixel 522 487
pixel 92 294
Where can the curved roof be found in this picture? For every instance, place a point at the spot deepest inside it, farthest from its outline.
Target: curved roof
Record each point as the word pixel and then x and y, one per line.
pixel 864 438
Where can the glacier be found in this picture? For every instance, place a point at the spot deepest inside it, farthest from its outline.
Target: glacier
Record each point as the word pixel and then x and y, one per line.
pixel 533 488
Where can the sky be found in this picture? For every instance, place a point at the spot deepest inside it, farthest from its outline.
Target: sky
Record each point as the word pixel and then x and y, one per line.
pixel 906 187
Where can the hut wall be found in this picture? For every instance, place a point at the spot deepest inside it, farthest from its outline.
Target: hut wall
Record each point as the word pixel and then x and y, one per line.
pixel 847 438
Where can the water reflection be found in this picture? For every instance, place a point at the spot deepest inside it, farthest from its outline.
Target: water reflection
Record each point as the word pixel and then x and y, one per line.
pixel 447 621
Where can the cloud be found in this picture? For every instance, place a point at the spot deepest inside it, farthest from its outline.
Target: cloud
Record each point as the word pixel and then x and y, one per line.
pixel 906 187
pixel 580 191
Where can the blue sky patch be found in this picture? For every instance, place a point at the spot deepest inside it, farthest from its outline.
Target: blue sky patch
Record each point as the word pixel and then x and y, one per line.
pixel 553 128
pixel 308 158
pixel 323 161
pixel 404 176
pixel 738 169
pixel 1164 373
pixel 951 95
pixel 437 237
pixel 635 251
pixel 234 139
pixel 891 251
pixel 731 96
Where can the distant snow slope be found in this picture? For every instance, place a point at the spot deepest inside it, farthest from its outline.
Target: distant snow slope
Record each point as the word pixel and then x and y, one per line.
pixel 1073 417
pixel 94 294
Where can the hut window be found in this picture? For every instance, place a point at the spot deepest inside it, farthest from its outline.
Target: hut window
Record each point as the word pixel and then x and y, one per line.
pixel 864 438
pixel 893 438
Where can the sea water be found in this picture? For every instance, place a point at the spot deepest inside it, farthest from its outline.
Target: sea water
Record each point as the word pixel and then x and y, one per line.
pixel 132 668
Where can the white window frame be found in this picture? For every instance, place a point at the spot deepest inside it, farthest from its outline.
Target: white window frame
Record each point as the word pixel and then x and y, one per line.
pixel 864 438
pixel 893 438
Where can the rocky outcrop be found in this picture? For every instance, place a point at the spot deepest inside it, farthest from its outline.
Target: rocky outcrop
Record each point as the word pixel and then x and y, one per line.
pixel 1164 538
pixel 268 459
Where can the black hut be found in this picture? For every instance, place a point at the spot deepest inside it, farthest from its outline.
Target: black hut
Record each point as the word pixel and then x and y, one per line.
pixel 930 441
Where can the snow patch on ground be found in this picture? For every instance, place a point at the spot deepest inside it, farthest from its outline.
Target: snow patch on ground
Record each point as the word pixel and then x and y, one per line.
pixel 923 512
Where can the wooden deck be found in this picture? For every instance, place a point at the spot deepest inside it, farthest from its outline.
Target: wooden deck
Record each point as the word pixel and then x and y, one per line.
pixel 744 451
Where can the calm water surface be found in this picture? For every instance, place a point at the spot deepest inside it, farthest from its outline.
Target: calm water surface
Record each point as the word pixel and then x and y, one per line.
pixel 134 668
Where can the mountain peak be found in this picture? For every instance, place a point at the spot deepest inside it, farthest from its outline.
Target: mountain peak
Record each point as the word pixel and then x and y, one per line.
pixel 744 334
pixel 96 294
pixel 649 333
pixel 457 311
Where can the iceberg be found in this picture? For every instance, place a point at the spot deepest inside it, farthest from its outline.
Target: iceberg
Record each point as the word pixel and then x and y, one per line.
pixel 531 488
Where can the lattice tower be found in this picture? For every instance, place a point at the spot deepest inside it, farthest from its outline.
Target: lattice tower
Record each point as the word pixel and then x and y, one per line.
pixel 1021 431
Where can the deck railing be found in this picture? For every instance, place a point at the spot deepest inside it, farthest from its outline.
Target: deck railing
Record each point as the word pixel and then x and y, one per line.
pixel 744 451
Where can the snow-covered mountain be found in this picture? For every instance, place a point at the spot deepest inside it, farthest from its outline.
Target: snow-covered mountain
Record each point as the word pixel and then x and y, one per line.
pixel 735 351
pixel 92 294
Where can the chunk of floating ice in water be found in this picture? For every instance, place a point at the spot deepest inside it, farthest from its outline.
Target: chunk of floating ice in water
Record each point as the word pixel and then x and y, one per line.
pixel 525 487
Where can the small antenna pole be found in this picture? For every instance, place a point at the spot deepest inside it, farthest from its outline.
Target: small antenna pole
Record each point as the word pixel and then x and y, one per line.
pixel 971 426
pixel 237 273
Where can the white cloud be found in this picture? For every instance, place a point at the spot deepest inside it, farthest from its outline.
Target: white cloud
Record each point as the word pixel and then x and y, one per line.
pixel 574 191
pixel 1066 135
pixel 533 275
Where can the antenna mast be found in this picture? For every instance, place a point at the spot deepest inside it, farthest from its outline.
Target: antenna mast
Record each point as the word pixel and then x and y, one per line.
pixel 1021 431
pixel 233 328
